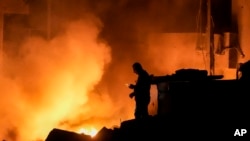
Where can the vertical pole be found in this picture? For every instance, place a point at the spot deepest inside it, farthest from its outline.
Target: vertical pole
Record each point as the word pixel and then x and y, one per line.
pixel 210 39
pixel 49 19
pixel 1 38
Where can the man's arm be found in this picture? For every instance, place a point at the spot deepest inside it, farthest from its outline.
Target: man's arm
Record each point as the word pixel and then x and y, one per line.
pixel 131 95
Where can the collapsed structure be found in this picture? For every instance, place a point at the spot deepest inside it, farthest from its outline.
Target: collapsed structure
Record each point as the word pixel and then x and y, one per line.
pixel 190 104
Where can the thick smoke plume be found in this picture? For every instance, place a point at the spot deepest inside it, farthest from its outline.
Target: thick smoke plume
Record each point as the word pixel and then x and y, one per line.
pixel 50 82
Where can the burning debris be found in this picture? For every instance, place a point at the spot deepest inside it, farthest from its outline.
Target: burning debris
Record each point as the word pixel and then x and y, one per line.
pixel 63 135
pixel 201 107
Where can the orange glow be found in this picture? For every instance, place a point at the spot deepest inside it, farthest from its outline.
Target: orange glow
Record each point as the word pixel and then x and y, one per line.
pixel 52 85
pixel 88 131
pixel 66 82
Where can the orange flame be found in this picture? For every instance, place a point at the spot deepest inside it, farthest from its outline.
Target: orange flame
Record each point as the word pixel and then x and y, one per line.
pixel 88 131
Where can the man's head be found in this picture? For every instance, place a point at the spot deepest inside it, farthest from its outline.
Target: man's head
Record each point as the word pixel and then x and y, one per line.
pixel 137 67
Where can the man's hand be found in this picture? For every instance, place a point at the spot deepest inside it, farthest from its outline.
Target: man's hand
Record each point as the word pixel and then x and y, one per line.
pixel 131 86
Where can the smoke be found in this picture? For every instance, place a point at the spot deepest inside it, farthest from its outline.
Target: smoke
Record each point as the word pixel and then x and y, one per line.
pixel 77 79
pixel 51 81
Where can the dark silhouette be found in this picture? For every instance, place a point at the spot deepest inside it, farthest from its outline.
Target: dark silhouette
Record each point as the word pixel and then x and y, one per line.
pixel 141 91
pixel 190 108
pixel 245 71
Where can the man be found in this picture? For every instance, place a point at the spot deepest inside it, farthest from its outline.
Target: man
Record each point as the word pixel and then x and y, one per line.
pixel 141 91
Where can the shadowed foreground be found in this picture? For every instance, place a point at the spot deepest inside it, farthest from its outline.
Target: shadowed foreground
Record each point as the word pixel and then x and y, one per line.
pixel 191 105
pixel 196 109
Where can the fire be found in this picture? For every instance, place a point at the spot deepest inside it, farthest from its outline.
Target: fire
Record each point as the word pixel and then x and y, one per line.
pixel 88 131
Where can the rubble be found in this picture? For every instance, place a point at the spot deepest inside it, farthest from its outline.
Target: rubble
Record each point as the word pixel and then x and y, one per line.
pixel 196 108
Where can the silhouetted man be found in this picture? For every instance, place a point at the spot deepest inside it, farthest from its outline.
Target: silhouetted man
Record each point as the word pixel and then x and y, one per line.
pixel 141 91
